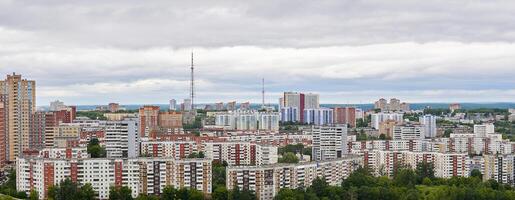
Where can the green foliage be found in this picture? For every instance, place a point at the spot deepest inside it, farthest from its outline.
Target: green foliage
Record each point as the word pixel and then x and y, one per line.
pixel 288 157
pixel 218 170
pixel 9 187
pixel 407 184
pixel 99 115
pixel 237 194
pixel 200 154
pixel 363 122
pixel 476 173
pixel 120 193
pixel 436 111
pixel 447 133
pixel 34 195
pixel 69 190
pixel 95 149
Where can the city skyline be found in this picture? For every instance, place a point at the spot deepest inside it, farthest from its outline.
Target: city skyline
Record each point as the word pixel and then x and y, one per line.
pixel 348 52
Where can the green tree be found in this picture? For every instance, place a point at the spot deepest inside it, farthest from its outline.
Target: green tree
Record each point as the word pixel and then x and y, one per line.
pixel 289 157
pixel 87 192
pixel 34 195
pixel 120 193
pixel 220 193
pixel 169 193
pixel 405 177
pixel 95 150
pixel 476 173
pixel 425 170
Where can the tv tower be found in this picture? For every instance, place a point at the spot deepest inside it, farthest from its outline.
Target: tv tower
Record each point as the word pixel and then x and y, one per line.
pixel 263 93
pixel 192 86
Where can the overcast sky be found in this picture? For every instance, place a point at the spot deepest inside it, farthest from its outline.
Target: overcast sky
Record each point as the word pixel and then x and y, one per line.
pixel 132 52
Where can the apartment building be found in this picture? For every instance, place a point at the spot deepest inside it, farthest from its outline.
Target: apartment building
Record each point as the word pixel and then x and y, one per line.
pixel 122 139
pixel 329 142
pixel 241 153
pixel 142 175
pixel 267 180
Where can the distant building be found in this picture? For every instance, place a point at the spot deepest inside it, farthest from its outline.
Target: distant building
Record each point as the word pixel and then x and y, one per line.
pixel 482 130
pixel 173 105
pixel 56 105
pixel 219 106
pixel 329 142
pixel 245 106
pixel 345 115
pixel 148 116
pixel 113 107
pixel 248 120
pixel 231 106
pixel 429 123
pixel 378 118
pixel 186 105
pixel 318 116
pixel 300 101
pixel 408 132
pixel 387 127
pixel 454 106
pixel 394 105
pixel 289 114
pixel 359 113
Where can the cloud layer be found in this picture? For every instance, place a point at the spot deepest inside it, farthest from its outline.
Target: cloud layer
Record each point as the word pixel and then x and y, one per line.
pixel 96 52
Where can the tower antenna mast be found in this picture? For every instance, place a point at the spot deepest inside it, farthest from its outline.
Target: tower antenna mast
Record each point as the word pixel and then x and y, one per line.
pixel 263 93
pixel 192 87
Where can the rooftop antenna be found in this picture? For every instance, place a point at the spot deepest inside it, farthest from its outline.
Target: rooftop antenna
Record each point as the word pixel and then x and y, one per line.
pixel 263 93
pixel 192 88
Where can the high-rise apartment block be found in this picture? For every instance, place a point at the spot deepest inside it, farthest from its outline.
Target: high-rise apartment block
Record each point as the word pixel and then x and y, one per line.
pixel 173 105
pixel 394 105
pixel 408 132
pixel 300 101
pixel 148 116
pixel 345 115
pixel 378 118
pixel 429 123
pixel 122 139
pixel 113 107
pixel 329 142
pixel 19 104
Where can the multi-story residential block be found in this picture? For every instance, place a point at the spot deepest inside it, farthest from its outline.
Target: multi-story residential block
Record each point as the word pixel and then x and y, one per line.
pixel 499 167
pixel 387 127
pixel 300 101
pixel 318 116
pixel 454 106
pixel 267 180
pixel 19 99
pixel 113 107
pixel 247 120
pixel 345 115
pixel 3 131
pixel 378 118
pixel 170 120
pixel 429 123
pixel 394 105
pixel 57 136
pixel 408 132
pixel 329 142
pixel 141 175
pixel 169 149
pixel 481 130
pixel 240 153
pixel 231 106
pixel 245 106
pixel 56 105
pixel 290 114
pixel 173 105
pixel 119 116
pixel 122 138
pixel 148 119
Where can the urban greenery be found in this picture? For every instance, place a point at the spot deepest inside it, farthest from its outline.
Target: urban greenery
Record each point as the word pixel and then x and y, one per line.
pixel 98 115
pixel 67 190
pixel 95 150
pixel 9 187
pixel 405 184
pixel 288 157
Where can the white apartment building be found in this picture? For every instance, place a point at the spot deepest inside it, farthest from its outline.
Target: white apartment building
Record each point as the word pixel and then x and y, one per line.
pixel 408 132
pixel 378 118
pixel 318 116
pixel 329 142
pixel 481 130
pixel 122 139
pixel 267 180
pixel 169 149
pixel 241 153
pixel 247 120
pixel 142 175
pixel 429 123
